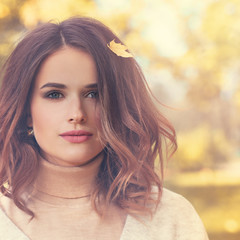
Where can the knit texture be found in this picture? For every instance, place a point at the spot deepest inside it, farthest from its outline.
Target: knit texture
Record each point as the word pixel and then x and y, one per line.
pixel 61 213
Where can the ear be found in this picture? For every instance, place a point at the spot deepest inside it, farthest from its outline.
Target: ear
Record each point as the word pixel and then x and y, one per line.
pixel 29 120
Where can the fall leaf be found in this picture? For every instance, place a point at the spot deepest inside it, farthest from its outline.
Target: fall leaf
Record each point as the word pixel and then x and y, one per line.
pixel 119 49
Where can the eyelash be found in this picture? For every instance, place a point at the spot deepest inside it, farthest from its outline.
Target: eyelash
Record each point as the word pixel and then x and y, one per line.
pixel 51 94
pixel 95 92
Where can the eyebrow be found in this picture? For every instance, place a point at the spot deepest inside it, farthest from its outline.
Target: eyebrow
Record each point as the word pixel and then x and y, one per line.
pixel 62 86
pixel 55 85
pixel 92 85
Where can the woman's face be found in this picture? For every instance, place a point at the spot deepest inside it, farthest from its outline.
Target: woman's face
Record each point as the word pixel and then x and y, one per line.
pixel 64 109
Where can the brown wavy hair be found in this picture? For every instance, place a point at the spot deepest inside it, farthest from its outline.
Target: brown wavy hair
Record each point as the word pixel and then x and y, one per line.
pixel 136 133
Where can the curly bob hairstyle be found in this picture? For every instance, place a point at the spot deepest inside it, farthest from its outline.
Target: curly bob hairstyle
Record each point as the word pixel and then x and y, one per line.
pixel 135 133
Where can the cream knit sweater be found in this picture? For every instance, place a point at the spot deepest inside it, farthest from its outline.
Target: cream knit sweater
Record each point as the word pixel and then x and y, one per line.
pixel 62 211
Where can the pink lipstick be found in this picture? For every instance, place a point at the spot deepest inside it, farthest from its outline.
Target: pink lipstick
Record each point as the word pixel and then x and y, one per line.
pixel 76 136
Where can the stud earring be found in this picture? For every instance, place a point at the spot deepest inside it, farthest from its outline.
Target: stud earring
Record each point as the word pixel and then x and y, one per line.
pixel 30 132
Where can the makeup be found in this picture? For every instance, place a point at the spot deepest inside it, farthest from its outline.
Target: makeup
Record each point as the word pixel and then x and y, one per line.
pixel 76 136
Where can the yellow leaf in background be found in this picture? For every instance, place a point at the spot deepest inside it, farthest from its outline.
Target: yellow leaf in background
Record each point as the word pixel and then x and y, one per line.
pixel 119 49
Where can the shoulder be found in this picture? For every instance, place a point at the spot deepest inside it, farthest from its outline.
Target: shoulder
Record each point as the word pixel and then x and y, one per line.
pixel 173 202
pixel 176 217
pixel 4 219
pixel 8 230
pixel 5 204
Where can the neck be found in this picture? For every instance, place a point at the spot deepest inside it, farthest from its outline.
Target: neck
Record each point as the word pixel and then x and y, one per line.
pixel 67 182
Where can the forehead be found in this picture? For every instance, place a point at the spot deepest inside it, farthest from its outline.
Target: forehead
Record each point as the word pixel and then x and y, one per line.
pixel 67 65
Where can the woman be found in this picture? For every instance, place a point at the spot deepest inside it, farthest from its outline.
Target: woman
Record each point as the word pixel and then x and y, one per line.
pixel 79 136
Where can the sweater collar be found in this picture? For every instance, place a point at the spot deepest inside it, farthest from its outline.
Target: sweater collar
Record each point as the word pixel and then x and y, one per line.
pixel 66 182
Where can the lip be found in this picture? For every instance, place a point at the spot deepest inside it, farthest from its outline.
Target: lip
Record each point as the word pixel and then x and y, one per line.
pixel 76 136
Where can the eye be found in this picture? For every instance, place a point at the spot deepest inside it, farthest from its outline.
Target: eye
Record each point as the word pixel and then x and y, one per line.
pixel 92 94
pixel 54 95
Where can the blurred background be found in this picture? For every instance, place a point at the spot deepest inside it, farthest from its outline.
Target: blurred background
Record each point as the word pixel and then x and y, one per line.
pixel 189 51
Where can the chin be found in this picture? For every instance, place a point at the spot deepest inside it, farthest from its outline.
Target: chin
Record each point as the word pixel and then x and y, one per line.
pixel 76 160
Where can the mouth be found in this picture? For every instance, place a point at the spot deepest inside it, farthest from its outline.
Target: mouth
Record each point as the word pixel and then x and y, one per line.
pixel 76 136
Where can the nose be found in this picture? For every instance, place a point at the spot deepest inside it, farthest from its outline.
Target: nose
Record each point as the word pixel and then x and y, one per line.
pixel 77 114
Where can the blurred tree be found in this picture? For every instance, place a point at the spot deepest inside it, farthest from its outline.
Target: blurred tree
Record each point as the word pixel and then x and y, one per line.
pixel 10 25
pixel 206 67
pixel 34 11
pixel 209 63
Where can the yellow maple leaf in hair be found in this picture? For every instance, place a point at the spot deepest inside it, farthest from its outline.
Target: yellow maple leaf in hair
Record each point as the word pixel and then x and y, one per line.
pixel 119 49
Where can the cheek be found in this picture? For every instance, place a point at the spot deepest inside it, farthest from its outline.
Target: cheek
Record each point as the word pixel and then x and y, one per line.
pixel 42 117
pixel 98 118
